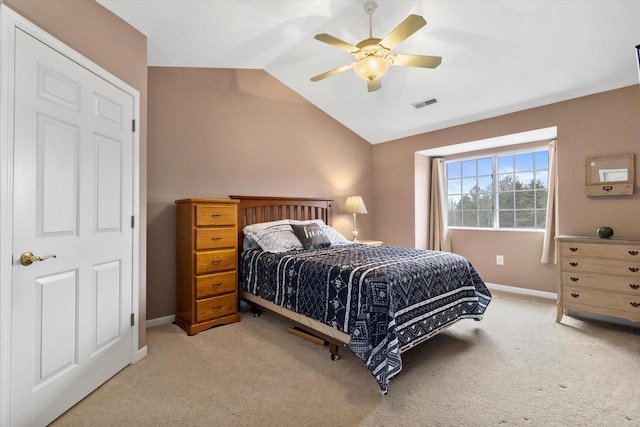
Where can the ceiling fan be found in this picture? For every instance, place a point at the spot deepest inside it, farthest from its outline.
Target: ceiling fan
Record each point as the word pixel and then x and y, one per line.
pixel 372 54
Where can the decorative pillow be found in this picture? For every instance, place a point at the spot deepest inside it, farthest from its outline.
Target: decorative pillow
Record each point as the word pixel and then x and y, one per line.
pixel 332 234
pixel 311 236
pixel 275 238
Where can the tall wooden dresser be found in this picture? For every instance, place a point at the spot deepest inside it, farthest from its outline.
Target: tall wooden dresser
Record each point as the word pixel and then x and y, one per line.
pixel 207 263
pixel 599 275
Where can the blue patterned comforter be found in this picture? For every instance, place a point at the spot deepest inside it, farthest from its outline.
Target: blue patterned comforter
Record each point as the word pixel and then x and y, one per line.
pixel 387 299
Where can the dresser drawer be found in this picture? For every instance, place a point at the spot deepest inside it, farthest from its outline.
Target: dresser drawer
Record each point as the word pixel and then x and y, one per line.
pixel 606 251
pixel 605 266
pixel 215 215
pixel 211 308
pixel 609 300
pixel 215 284
pixel 213 238
pixel 210 262
pixel 602 281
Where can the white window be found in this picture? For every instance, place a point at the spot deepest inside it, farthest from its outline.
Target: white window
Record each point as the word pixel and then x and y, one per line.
pixel 507 190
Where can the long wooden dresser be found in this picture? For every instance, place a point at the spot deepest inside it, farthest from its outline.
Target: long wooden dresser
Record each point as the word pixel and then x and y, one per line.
pixel 599 275
pixel 207 263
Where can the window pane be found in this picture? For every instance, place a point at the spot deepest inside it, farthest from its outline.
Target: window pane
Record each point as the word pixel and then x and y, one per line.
pixel 485 166
pixel 524 162
pixel 485 219
pixel 541 216
pixel 470 219
pixel 453 203
pixel 485 184
pixel 469 202
pixel 469 168
pixel 505 219
pixel 541 199
pixel 506 200
pixel 505 182
pixel 525 219
pixel 454 186
pixel 542 160
pixel 542 179
pixel 524 180
pixel 453 170
pixel 455 218
pixel 525 199
pixel 505 164
pixel 469 185
pixel 485 201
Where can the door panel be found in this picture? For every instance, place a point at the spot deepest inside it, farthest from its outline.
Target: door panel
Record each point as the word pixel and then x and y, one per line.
pixel 108 308
pixel 57 170
pixel 57 322
pixel 73 197
pixel 108 183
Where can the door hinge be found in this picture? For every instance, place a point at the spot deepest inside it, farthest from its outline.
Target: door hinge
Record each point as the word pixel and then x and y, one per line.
pixel 133 319
pixel 133 221
pixel 133 125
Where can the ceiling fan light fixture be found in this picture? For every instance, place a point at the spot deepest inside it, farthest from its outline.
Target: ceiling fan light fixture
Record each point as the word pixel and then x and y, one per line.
pixel 371 67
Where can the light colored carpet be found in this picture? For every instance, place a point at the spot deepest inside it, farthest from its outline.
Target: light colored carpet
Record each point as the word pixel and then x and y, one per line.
pixel 517 367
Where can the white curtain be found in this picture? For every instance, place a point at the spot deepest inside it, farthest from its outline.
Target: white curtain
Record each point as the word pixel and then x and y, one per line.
pixel 551 229
pixel 438 231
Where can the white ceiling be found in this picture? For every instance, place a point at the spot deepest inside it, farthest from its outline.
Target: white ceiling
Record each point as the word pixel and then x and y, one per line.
pixel 499 56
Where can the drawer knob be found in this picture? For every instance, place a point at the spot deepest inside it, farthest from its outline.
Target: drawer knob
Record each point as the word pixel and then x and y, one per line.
pixel 216 261
pixel 216 238
pixel 573 249
pixel 634 286
pixel 215 285
pixel 573 264
pixel 634 253
pixel 575 295
pixel 635 304
pixel 634 269
pixel 216 308
pixel 575 279
pixel 216 215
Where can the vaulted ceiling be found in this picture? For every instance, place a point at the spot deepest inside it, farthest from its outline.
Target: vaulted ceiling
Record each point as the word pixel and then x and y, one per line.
pixel 499 56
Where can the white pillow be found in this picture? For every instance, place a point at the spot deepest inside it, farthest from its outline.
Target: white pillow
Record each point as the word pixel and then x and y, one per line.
pixel 273 236
pixel 263 225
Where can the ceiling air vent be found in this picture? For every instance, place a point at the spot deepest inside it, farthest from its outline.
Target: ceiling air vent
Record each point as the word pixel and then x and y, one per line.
pixel 425 103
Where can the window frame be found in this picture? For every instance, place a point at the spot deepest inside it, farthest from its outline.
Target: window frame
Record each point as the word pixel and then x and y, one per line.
pixel 494 182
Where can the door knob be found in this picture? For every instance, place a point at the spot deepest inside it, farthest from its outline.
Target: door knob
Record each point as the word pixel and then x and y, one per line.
pixel 28 258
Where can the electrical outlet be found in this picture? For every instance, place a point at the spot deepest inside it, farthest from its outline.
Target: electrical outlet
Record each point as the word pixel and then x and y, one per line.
pixel 499 260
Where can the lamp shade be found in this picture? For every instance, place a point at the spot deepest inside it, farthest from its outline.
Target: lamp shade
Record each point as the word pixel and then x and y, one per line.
pixel 355 205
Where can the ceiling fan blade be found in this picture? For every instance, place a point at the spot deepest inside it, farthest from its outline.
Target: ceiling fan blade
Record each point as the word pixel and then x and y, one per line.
pixel 326 38
pixel 410 25
pixel 331 72
pixel 373 85
pixel 422 61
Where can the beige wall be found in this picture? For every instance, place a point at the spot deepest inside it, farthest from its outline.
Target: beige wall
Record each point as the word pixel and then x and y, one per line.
pixel 218 132
pixel 602 124
pixel 110 42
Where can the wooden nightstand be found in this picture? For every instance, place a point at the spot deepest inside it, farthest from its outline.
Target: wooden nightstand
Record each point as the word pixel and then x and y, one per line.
pixel 372 242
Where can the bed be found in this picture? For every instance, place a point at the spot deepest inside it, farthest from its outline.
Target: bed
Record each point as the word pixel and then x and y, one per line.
pixel 376 301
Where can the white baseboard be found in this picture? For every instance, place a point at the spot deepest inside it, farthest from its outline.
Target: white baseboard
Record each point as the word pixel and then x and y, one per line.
pixel 160 321
pixel 142 353
pixel 522 291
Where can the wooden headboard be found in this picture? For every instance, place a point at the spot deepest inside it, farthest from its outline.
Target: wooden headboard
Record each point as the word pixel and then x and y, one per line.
pixel 256 209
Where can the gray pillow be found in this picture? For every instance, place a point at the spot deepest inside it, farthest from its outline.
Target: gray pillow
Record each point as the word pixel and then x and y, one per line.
pixel 311 236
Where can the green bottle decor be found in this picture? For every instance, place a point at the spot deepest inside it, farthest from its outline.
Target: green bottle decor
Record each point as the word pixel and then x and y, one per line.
pixel 605 232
